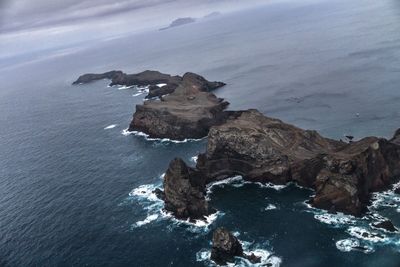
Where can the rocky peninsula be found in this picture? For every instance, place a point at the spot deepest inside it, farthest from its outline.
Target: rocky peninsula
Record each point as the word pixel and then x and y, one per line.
pixel 254 146
pixel 181 108
pixel 267 150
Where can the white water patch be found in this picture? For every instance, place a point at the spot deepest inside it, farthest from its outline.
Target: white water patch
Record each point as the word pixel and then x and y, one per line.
pixel 194 159
pixel 112 126
pixel 272 186
pixel 124 87
pixel 266 257
pixel 236 181
pixel 161 84
pixel 145 194
pixel 194 226
pixel 365 234
pixel 126 132
pixel 149 219
pixel 271 207
pixel 386 199
pixel 351 244
pixel 336 220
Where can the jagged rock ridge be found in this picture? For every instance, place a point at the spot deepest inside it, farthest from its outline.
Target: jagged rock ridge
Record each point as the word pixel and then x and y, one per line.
pixel 263 149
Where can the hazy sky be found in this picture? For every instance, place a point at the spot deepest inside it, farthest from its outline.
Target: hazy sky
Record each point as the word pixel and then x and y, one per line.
pixel 27 26
pixel 22 14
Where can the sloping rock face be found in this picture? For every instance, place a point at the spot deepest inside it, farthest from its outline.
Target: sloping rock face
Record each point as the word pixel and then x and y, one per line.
pixel 263 149
pixel 188 112
pixel 178 107
pixel 225 247
pixel 184 192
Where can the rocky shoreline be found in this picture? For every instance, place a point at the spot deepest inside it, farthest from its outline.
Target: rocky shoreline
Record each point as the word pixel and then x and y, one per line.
pixel 256 147
pixel 267 150
pixel 177 108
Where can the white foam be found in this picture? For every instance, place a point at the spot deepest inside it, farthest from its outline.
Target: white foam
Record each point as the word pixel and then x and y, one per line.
pixel 362 233
pixel 194 159
pixel 148 220
pixel 351 244
pixel 126 132
pixel 145 192
pixel 335 220
pixel 138 94
pixel 272 186
pixel 110 126
pixel 124 87
pixel 236 180
pixel 271 207
pixel 266 257
pixel 161 84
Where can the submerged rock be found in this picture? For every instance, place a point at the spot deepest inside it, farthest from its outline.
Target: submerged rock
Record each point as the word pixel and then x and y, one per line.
pixel 263 149
pixel 386 225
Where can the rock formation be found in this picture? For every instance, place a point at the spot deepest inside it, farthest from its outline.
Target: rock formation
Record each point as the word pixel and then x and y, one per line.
pixel 225 247
pixel 188 112
pixel 153 79
pixel 263 149
pixel 386 225
pixel 186 108
pixel 179 22
pixel 184 192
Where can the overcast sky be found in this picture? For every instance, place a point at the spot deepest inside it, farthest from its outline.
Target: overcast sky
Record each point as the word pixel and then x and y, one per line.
pixel 28 26
pixel 23 14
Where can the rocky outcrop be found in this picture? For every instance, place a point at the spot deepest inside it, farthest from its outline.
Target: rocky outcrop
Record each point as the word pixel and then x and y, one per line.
pixel 263 149
pixel 178 107
pixel 90 77
pixel 159 83
pixel 184 192
pixel 386 225
pixel 179 22
pixel 225 247
pixel 188 112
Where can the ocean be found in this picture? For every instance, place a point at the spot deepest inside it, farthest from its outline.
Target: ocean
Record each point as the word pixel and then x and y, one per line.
pixel 76 191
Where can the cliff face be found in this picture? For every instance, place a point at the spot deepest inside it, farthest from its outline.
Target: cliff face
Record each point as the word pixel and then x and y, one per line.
pixel 178 107
pixel 185 191
pixel 188 112
pixel 263 149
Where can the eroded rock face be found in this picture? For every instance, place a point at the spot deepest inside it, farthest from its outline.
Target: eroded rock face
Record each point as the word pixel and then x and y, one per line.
pixel 188 112
pixel 184 192
pixel 225 247
pixel 263 149
pixel 178 107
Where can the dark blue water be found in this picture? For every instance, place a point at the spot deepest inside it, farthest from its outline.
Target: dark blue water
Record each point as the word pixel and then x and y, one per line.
pixel 65 180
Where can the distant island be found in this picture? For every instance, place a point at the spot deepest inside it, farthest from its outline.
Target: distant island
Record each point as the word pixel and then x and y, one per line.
pixel 186 20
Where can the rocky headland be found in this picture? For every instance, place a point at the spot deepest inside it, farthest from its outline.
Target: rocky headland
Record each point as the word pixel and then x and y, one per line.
pixel 254 146
pixel 159 83
pixel 181 108
pixel 267 150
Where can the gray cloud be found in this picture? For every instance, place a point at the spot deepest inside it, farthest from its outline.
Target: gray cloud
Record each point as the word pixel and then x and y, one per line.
pixel 22 14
